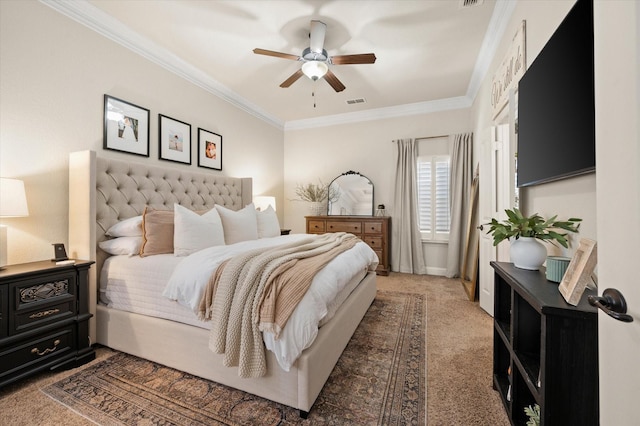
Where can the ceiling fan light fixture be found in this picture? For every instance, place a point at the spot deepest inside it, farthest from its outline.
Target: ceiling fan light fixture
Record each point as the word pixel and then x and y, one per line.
pixel 315 69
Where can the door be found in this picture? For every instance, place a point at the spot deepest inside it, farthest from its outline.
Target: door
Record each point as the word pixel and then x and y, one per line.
pixel 616 35
pixel 496 181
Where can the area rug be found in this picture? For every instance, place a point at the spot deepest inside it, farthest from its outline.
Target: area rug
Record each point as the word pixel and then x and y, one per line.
pixel 378 380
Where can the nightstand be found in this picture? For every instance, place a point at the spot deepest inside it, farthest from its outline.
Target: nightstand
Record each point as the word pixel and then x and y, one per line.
pixel 44 318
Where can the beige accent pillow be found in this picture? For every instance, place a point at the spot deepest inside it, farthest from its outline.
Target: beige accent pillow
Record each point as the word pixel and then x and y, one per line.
pixel 157 232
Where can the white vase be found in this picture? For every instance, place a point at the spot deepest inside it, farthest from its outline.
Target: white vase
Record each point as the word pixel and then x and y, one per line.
pixel 528 253
pixel 317 208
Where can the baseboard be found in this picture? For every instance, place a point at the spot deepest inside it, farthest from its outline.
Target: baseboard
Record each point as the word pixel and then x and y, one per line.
pixel 436 271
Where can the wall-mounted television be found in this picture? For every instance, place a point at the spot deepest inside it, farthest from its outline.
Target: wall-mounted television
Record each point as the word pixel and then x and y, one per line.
pixel 556 111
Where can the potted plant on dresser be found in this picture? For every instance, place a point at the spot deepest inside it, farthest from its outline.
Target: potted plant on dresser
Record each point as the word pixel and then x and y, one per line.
pixel 316 196
pixel 526 251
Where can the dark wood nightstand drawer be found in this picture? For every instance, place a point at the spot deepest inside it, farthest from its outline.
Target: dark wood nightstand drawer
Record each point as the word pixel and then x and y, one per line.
pixel 42 314
pixel 41 300
pixel 36 353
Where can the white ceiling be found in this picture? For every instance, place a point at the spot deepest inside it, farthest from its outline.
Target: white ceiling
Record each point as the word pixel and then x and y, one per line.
pixel 431 54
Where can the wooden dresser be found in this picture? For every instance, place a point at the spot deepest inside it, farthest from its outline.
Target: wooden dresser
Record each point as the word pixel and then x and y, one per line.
pixel 373 230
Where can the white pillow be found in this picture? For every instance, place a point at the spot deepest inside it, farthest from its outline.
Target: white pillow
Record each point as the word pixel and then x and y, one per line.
pixel 193 232
pixel 240 225
pixel 122 245
pixel 268 225
pixel 131 227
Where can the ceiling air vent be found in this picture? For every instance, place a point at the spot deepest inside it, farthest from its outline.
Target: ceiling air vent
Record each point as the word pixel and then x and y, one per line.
pixel 356 101
pixel 470 3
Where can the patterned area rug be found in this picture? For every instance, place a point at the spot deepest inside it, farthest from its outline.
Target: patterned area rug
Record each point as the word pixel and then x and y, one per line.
pixel 379 379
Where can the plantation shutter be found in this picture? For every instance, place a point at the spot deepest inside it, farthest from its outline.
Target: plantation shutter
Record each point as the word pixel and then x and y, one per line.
pixel 433 197
pixel 442 216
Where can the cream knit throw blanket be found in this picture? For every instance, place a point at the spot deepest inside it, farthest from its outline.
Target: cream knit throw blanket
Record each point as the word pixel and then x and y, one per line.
pixel 258 290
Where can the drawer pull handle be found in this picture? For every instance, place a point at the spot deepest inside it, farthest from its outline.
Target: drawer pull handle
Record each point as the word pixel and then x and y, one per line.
pixel 44 313
pixel 48 350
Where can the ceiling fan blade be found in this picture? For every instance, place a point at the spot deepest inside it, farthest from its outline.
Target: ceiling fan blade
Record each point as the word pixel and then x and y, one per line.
pixel 334 82
pixel 276 54
pixel 363 58
pixel 318 31
pixel 292 79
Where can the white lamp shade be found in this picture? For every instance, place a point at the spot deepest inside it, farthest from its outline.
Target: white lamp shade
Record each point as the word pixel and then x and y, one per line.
pixel 13 200
pixel 315 69
pixel 262 202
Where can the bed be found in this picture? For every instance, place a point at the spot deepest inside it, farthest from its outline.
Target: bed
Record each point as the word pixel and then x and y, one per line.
pixel 104 192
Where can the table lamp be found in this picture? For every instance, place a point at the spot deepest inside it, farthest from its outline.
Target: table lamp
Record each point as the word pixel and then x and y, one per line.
pixel 13 203
pixel 262 202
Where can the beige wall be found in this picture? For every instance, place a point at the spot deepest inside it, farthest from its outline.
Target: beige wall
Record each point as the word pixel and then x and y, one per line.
pixel 53 75
pixel 366 147
pixel 574 197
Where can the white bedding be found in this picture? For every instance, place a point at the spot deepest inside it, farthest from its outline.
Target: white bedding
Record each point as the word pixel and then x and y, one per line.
pixel 137 287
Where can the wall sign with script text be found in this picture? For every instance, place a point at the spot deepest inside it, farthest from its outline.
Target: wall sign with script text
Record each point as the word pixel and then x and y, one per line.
pixel 509 72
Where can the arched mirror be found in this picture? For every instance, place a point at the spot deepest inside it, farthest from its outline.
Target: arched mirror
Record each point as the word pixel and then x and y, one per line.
pixel 350 194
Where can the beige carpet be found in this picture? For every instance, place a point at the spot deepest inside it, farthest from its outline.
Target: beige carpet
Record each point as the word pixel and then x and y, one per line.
pixel 459 346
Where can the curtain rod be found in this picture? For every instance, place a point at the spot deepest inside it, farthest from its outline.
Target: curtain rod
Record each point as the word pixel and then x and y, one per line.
pixel 429 137
pixel 433 137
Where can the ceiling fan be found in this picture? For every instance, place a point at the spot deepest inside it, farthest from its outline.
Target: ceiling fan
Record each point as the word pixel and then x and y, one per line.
pixel 316 61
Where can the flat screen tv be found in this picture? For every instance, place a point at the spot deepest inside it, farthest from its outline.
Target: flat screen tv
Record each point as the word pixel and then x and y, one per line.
pixel 556 111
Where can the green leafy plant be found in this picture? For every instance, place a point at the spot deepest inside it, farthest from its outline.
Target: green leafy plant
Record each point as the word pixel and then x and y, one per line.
pixel 517 225
pixel 534 415
pixel 315 193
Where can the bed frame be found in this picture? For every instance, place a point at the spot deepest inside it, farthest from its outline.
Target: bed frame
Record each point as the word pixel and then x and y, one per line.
pixel 103 191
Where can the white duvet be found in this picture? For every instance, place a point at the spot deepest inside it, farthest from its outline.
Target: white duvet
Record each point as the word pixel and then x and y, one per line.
pixel 328 289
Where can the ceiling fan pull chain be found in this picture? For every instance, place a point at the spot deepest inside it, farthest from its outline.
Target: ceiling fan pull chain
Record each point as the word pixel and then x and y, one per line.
pixel 313 93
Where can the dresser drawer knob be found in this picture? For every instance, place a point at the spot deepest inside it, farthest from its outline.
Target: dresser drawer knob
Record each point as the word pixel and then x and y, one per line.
pixel 44 313
pixel 48 350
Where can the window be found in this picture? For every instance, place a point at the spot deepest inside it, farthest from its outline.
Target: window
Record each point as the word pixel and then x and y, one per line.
pixel 433 197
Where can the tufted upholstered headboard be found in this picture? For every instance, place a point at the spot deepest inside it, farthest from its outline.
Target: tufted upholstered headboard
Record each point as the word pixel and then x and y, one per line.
pixel 104 191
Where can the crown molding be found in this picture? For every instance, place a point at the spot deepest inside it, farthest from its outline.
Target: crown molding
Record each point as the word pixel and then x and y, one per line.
pixel 381 113
pixel 111 28
pixel 86 14
pixel 495 31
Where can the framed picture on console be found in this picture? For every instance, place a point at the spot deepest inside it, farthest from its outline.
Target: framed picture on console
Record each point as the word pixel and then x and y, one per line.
pixel 209 149
pixel 579 271
pixel 126 127
pixel 175 139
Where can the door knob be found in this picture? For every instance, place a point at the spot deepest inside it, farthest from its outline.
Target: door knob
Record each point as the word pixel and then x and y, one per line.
pixel 612 303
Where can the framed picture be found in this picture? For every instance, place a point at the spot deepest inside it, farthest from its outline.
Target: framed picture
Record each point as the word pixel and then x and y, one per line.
pixel 579 272
pixel 209 149
pixel 126 127
pixel 175 140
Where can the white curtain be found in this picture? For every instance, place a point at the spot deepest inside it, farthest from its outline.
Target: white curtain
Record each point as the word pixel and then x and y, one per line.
pixel 406 242
pixel 460 149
